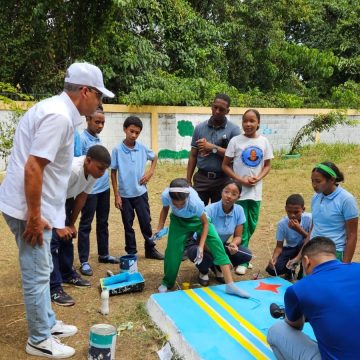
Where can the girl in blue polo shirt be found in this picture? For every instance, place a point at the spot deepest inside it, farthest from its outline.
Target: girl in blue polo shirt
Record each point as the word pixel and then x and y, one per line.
pixel 228 219
pixel 334 210
pixel 188 216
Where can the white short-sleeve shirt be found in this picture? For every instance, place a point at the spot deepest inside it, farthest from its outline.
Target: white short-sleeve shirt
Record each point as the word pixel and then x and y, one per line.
pixel 78 183
pixel 249 156
pixel 47 131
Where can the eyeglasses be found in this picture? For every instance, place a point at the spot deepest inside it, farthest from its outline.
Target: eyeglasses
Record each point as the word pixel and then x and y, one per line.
pixel 99 95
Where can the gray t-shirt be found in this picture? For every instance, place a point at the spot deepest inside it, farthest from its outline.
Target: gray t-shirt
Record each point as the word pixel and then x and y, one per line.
pixel 219 136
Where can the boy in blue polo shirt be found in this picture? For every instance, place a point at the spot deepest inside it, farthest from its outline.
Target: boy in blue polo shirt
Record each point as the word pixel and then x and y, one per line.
pixel 291 232
pixel 129 179
pixel 97 202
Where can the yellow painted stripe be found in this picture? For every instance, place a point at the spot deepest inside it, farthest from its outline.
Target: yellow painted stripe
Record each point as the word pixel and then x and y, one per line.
pixel 234 333
pixel 243 322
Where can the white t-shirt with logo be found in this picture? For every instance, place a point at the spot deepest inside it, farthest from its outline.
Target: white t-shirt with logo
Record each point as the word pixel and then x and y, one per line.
pixel 249 156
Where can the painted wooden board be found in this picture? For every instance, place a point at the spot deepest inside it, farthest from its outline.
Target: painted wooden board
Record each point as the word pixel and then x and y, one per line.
pixel 206 323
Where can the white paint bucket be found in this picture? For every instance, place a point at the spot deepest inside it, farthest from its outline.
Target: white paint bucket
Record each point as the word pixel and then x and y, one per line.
pixel 128 263
pixel 102 342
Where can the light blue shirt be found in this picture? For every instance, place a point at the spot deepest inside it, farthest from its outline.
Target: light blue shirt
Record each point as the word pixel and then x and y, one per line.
pixel 130 164
pixel 87 141
pixel 291 237
pixel 225 224
pixel 194 206
pixel 77 144
pixel 330 214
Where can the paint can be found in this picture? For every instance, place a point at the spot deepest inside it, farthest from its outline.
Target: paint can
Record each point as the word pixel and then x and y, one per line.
pixel 185 286
pixel 102 342
pixel 128 263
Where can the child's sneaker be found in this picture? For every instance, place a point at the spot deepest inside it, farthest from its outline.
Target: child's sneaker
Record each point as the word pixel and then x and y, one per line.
pixel 108 259
pixel 86 269
pixel 62 330
pixel 162 289
pixel 77 281
pixel 60 297
pixel 250 266
pixel 241 270
pixel 51 348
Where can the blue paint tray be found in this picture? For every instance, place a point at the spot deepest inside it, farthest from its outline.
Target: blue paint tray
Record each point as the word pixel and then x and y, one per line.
pixel 123 283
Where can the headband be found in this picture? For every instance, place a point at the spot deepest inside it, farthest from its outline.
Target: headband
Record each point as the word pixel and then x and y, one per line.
pixel 184 190
pixel 327 169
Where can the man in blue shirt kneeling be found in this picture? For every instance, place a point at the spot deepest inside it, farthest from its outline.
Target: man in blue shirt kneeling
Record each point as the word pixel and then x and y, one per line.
pixel 328 298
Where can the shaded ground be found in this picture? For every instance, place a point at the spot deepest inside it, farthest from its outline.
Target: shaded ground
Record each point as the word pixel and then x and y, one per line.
pixel 286 177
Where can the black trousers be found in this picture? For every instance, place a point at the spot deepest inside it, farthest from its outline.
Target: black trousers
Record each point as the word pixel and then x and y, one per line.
pixel 140 206
pixel 99 204
pixel 207 262
pixel 287 254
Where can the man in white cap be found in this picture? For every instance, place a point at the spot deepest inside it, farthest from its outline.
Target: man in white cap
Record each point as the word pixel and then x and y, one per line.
pixel 33 194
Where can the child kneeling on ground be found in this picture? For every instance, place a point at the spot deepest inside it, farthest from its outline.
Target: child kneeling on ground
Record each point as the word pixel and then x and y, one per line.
pixel 188 216
pixel 291 229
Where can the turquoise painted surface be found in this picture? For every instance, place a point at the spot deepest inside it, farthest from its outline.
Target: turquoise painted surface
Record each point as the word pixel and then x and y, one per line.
pixel 206 337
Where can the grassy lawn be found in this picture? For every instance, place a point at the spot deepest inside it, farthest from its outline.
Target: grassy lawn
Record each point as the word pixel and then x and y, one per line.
pixel 286 177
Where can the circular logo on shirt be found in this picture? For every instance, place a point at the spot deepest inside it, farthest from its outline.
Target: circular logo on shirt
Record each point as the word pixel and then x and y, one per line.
pixel 252 156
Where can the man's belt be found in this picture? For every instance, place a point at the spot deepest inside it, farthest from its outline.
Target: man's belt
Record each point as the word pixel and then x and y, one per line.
pixel 212 174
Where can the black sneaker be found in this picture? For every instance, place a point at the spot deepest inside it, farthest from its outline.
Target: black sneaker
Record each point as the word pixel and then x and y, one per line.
pixel 153 254
pixel 77 281
pixel 60 297
pixel 108 259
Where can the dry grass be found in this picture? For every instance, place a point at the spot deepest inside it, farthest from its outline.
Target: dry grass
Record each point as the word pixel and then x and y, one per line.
pixel 286 177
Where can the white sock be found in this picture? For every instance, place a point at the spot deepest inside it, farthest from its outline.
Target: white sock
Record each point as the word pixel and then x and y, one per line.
pixel 233 290
pixel 204 276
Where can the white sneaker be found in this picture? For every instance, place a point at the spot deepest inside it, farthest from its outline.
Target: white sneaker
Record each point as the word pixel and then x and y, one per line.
pixel 62 330
pixel 204 276
pixel 241 270
pixel 250 266
pixel 51 348
pixel 162 289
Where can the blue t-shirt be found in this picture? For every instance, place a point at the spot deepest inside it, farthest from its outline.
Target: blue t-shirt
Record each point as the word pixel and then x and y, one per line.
pixel 194 206
pixel 88 140
pixel 291 237
pixel 225 224
pixel 130 164
pixel 329 300
pixel 330 214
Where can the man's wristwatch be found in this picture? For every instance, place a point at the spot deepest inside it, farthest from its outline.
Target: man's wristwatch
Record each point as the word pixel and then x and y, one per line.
pixel 214 150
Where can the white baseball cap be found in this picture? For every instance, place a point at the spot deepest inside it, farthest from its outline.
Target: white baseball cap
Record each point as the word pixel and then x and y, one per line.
pixel 88 75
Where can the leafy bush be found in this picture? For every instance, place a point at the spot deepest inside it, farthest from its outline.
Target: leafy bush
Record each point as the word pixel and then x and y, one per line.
pixel 319 123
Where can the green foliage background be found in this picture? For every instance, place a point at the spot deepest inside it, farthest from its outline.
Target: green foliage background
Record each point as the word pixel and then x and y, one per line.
pixel 263 53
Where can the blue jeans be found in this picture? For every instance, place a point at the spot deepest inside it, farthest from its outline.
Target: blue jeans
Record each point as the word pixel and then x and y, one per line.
pixel 99 204
pixel 36 265
pixel 288 343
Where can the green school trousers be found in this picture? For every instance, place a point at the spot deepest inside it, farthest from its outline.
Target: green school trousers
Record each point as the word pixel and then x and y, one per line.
pixel 252 211
pixel 179 231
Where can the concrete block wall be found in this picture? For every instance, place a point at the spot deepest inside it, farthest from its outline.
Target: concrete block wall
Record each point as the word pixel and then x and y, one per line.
pixel 278 125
